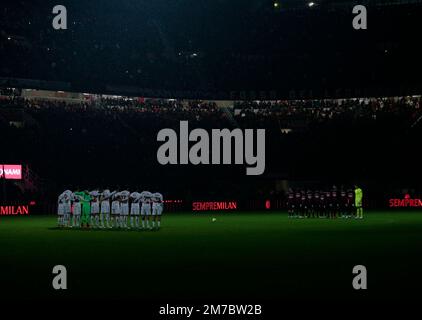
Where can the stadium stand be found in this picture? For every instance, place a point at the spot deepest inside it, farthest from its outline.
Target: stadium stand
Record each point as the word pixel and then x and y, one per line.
pixel 52 135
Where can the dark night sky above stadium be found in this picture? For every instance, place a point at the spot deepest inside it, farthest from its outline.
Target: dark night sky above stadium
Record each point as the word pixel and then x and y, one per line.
pixel 212 45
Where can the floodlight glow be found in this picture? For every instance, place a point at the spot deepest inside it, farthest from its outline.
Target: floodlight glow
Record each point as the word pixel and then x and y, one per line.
pixel 311 4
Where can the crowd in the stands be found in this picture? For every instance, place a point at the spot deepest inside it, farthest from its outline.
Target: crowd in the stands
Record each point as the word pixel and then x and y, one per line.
pixel 103 139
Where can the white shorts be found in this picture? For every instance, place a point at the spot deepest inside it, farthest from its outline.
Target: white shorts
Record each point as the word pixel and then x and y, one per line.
pixel 124 209
pixel 60 209
pixel 157 209
pixel 77 208
pixel 105 207
pixel 115 208
pixel 134 209
pixel 95 208
pixel 146 209
pixel 67 208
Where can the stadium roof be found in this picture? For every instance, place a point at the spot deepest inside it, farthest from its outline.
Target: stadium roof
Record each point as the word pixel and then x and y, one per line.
pixel 214 46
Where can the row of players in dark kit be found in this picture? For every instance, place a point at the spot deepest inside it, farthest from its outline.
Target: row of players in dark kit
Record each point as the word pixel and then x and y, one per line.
pixel 321 204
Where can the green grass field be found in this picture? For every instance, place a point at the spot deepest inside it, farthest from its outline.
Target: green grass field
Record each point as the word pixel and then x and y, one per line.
pixel 240 256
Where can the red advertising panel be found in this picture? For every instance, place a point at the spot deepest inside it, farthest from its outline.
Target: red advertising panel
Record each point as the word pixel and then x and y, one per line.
pixel 11 171
pixel 214 205
pixel 14 210
pixel 406 202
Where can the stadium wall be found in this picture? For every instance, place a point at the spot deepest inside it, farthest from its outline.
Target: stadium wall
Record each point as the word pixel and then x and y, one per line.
pixel 53 95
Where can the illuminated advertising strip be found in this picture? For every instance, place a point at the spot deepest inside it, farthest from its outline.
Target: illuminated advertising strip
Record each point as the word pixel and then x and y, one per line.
pixel 214 205
pixel 11 171
pixel 14 210
pixel 407 202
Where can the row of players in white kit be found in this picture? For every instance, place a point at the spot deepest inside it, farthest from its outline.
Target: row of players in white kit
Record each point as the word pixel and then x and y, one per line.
pixel 97 214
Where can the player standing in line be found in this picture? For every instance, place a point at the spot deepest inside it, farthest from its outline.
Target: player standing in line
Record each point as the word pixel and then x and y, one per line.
pixel 302 204
pixel 157 209
pixel 85 200
pixel 315 205
pixel 95 208
pixel 290 203
pixel 350 203
pixel 322 205
pixel 77 210
pixel 115 210
pixel 146 208
pixel 124 208
pixel 297 204
pixel 329 207
pixel 79 195
pixel 135 209
pixel 309 204
pixel 343 203
pixel 105 208
pixel 67 207
pixel 60 210
pixel 358 202
pixel 334 200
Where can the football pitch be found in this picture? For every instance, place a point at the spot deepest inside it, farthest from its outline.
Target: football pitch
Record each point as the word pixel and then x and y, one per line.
pixel 257 255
